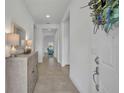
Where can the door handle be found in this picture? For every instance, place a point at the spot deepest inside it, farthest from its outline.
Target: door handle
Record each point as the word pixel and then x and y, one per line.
pixel 94 78
pixel 95 74
pixel 97 60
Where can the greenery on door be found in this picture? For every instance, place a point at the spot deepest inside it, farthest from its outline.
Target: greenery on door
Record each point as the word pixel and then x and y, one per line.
pixel 105 13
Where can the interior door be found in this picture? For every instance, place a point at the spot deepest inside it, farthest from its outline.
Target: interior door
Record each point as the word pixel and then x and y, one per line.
pixel 105 62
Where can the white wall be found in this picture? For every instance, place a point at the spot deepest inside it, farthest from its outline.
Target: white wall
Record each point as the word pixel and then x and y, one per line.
pixel 80 45
pixel 64 39
pixel 56 45
pixel 39 43
pixel 65 36
pixel 67 41
pixel 16 12
pixel 60 44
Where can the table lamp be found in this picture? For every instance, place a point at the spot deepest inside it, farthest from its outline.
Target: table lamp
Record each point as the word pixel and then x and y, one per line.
pixel 13 40
pixel 28 44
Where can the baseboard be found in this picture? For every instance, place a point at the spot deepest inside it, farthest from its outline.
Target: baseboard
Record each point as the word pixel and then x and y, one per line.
pixel 76 85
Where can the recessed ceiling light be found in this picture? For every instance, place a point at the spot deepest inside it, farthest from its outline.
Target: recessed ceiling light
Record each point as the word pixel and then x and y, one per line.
pixel 48 16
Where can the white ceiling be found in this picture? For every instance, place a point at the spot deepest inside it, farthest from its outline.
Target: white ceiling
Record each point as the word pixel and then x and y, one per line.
pixel 39 9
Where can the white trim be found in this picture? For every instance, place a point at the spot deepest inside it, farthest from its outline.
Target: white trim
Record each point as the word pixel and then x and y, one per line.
pixel 76 84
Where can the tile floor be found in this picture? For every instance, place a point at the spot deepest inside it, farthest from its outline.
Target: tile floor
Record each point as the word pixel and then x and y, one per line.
pixel 53 78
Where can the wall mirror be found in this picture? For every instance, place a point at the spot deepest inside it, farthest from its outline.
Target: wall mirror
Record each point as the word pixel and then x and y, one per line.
pixel 22 34
pixel 12 39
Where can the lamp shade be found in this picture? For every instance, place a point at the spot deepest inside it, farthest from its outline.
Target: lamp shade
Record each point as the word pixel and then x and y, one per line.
pixel 12 38
pixel 28 43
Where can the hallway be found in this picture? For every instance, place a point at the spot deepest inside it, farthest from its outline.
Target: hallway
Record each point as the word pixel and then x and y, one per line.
pixel 82 36
pixel 53 78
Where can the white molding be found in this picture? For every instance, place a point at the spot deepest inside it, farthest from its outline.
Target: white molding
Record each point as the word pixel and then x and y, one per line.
pixel 76 84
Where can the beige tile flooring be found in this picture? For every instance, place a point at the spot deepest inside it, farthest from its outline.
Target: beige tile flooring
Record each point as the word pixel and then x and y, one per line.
pixel 53 78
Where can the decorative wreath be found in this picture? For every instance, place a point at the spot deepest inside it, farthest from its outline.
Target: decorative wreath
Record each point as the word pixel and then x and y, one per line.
pixel 104 13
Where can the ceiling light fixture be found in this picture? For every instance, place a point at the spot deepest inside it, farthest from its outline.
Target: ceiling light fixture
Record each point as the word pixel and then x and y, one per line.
pixel 48 16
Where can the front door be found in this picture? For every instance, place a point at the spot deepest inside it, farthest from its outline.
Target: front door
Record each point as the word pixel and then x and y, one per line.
pixel 105 62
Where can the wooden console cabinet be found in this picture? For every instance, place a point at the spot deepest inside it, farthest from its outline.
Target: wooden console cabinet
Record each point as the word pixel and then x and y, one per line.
pixel 21 73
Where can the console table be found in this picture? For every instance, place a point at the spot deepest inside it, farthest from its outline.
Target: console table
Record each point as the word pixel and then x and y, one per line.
pixel 21 73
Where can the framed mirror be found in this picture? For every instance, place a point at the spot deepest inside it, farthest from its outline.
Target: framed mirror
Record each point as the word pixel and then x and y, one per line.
pixel 22 34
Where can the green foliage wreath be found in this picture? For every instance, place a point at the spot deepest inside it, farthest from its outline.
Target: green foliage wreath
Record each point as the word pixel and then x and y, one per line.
pixel 104 13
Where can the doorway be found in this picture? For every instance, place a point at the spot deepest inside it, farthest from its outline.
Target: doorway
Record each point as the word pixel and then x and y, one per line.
pixel 66 42
pixel 48 45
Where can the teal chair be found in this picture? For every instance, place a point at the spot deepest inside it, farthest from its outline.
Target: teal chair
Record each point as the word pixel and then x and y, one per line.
pixel 50 51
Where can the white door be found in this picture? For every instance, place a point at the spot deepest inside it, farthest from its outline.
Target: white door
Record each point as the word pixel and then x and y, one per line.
pixel 105 49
